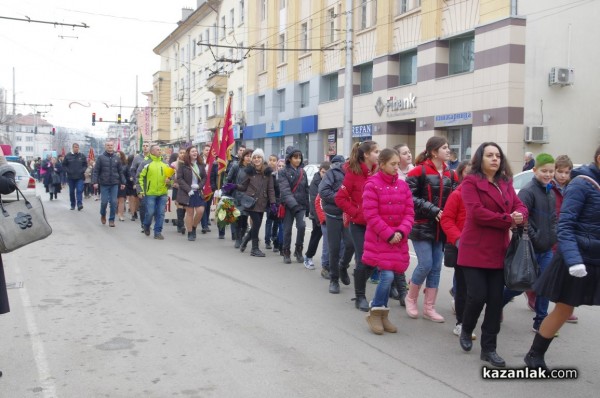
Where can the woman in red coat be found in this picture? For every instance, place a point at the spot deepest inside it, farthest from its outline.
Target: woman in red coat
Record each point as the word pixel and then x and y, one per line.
pixel 362 165
pixel 492 208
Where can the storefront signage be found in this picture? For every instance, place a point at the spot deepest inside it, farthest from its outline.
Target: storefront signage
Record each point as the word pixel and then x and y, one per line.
pixel 362 130
pixel 453 119
pixel 393 105
pixel 273 126
pixel 331 141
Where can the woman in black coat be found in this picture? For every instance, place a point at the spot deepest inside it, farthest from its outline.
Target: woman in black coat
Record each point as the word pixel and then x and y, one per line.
pixel 7 185
pixel 52 180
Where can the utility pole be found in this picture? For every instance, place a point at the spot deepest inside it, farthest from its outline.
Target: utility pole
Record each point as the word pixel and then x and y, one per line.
pixel 348 100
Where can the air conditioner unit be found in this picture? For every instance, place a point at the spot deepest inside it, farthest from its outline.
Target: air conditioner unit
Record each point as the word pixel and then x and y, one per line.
pixel 177 120
pixel 536 134
pixel 561 76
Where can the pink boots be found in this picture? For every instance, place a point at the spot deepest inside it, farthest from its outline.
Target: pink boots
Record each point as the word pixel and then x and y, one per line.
pixel 411 300
pixel 429 311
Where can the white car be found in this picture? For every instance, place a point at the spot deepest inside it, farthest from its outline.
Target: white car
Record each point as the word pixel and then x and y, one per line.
pixel 25 182
pixel 310 170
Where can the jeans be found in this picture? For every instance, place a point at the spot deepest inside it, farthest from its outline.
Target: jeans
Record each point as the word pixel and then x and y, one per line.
pixel 541 303
pixel 315 237
pixel 108 194
pixel 142 210
pixel 269 236
pixel 382 292
pixel 206 215
pixel 484 287
pixel 155 207
pixel 429 256
pixel 256 217
pixel 325 249
pixel 288 222
pixel 76 190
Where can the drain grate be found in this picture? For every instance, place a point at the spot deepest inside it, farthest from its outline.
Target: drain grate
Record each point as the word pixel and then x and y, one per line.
pixel 14 285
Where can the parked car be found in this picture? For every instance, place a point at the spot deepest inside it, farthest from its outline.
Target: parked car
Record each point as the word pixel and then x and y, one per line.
pixel 24 180
pixel 310 170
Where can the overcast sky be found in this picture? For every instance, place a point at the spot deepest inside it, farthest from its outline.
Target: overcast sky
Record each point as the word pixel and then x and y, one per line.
pixel 92 66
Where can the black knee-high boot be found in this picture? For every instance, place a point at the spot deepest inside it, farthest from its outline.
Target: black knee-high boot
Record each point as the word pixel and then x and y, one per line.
pixel 535 357
pixel 361 275
pixel 180 221
pixel 245 241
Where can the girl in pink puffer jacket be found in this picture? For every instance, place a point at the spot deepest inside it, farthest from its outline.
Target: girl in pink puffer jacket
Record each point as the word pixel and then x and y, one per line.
pixel 389 211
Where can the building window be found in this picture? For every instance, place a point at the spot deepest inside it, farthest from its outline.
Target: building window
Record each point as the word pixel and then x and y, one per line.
pixel 28 138
pixel 260 105
pixel 366 78
pixel 263 58
pixel 223 27
pixel 368 13
pixel 240 98
pixel 263 9
pixel 304 94
pixel 329 88
pixel 281 47
pixel 213 107
pixel 281 4
pixel 19 138
pixel 408 68
pixel 206 112
pixel 29 149
pixel 403 6
pixel 330 34
pixel 194 48
pixel 462 55
pixel 222 105
pixel 241 11
pixel 281 100
pixel 215 33
pixel 232 18
pixel 193 81
pixel 200 41
pixel 304 36
pixel 459 140
pixel 240 54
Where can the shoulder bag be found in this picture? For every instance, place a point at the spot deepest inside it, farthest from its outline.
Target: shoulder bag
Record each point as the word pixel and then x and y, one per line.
pixel 247 202
pixel 521 269
pixel 281 208
pixel 22 222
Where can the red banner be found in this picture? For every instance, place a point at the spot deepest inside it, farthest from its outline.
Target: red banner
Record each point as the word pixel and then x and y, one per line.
pixel 212 155
pixel 227 140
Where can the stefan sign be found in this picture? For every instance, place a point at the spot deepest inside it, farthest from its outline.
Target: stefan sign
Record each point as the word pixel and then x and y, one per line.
pixel 362 131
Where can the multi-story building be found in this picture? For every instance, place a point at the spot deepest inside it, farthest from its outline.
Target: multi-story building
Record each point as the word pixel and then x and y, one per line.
pixel 202 61
pixel 470 70
pixel 30 135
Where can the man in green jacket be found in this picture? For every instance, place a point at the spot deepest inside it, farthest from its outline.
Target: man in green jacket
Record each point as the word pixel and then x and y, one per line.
pixel 154 179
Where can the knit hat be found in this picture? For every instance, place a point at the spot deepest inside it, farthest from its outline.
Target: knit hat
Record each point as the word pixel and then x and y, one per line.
pixel 338 159
pixel 258 152
pixel 542 159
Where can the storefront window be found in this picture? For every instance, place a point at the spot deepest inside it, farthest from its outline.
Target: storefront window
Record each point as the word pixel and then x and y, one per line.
pixel 459 140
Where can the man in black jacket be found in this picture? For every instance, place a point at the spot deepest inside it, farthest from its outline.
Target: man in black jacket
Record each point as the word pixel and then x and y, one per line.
pixel 338 237
pixel 75 165
pixel 316 234
pixel 108 174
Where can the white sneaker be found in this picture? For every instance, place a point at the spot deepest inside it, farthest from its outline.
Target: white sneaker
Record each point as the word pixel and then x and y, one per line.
pixel 308 263
pixel 458 329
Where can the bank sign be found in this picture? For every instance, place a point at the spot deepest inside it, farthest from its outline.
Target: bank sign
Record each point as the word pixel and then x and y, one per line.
pixel 453 119
pixel 393 105
pixel 362 131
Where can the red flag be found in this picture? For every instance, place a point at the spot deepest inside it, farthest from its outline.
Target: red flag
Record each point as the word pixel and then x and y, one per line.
pixel 91 155
pixel 227 140
pixel 212 155
pixel 119 145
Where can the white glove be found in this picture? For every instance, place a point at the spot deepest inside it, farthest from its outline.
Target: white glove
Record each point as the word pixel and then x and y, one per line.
pixel 195 186
pixel 577 270
pixel 191 193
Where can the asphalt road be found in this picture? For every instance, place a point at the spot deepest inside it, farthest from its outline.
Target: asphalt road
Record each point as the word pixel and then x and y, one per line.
pixel 109 312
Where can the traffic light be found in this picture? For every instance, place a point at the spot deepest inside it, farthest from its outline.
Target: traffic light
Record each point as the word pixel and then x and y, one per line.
pixel 93 118
pixel 119 118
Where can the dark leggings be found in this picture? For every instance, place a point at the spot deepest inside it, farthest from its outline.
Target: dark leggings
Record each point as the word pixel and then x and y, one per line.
pixel 357 232
pixel 256 218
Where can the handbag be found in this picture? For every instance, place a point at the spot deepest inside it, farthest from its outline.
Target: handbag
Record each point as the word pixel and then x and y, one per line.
pixel 450 255
pixel 247 201
pixel 281 208
pixel 521 269
pixel 22 222
pixel 55 178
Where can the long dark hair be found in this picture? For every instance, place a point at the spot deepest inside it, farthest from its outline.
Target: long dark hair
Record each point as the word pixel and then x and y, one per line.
pixel 357 156
pixel 187 159
pixel 504 172
pixel 461 168
pixel 247 151
pixel 433 144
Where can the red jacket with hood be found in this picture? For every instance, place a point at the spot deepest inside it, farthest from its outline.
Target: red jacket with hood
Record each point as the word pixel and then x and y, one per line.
pixel 350 195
